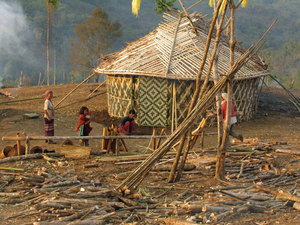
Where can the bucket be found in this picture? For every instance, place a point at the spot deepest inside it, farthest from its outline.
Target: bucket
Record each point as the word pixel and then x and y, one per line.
pixel 68 142
pixel 36 149
pixel 8 151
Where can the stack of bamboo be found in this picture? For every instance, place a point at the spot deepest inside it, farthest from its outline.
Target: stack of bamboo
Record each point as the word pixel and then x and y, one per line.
pixel 112 144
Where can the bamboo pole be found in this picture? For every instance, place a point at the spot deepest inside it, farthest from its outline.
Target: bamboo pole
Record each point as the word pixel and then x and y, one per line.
pixel 175 106
pixel 97 88
pixel 159 139
pixel 27 146
pixel 18 144
pixel 218 97
pixel 198 83
pixel 172 107
pixel 116 142
pixel 22 100
pixel 103 140
pixel 106 137
pixel 73 90
pixel 154 140
pixel 217 40
pixel 81 100
pixel 109 143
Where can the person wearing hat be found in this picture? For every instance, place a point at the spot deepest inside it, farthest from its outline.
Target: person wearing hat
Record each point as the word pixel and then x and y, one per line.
pixel 233 119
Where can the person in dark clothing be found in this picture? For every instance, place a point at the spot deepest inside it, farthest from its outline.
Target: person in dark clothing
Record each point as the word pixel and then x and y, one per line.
pixel 127 124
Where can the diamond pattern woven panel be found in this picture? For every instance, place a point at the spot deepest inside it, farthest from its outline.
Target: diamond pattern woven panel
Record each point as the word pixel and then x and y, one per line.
pixel 153 98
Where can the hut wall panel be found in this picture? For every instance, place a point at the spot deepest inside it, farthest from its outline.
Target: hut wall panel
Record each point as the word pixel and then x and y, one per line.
pixel 118 95
pixel 153 101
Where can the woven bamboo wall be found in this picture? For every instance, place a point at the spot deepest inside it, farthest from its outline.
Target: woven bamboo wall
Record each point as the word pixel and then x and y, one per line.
pixel 153 99
pixel 245 96
pixel 118 95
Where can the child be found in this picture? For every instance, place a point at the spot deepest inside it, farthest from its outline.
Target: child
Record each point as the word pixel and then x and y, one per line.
pixel 83 126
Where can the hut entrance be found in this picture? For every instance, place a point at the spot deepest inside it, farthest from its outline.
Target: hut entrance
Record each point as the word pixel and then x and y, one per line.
pixel 153 101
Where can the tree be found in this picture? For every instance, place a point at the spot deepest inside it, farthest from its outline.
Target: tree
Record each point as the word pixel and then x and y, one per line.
pixel 54 4
pixel 93 39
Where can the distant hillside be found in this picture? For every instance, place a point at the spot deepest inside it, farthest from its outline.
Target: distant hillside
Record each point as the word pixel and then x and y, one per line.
pixel 27 50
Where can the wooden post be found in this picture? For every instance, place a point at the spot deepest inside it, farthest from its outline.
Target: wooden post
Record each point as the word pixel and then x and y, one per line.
pixel 117 149
pixel 132 92
pixel 109 143
pixel 18 144
pixel 171 109
pixel 103 140
pixel 154 140
pixel 202 140
pixel 123 144
pixel 27 146
pixel 175 105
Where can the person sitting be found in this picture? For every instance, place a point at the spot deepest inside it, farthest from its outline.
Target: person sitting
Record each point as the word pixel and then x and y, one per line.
pixel 233 119
pixel 127 124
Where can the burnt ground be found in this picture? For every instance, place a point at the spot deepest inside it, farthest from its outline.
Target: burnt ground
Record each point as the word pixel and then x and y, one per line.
pixel 277 121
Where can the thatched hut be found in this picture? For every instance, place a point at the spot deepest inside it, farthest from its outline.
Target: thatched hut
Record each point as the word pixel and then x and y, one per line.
pixel 156 74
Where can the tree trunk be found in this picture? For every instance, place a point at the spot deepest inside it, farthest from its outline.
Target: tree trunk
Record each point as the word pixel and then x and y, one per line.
pixel 54 65
pixel 48 34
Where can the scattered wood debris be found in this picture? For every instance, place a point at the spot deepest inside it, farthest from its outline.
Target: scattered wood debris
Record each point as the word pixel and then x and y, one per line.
pixel 255 184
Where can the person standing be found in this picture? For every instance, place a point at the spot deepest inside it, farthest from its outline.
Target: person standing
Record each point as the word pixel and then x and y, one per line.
pixel 49 116
pixel 83 126
pixel 233 119
pixel 127 124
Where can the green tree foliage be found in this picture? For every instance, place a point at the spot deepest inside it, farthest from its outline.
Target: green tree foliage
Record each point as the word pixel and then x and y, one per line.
pixel 93 39
pixel 162 6
pixel 29 54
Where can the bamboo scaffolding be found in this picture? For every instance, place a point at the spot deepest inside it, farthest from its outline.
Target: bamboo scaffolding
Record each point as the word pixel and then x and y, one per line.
pixel 136 177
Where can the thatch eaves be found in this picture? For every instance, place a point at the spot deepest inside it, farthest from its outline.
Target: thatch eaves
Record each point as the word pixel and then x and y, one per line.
pixel 173 51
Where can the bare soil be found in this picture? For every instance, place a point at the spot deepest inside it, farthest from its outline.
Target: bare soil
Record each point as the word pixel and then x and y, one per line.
pixel 277 120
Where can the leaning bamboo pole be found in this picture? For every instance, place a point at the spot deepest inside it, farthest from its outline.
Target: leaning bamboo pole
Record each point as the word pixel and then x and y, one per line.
pixel 198 83
pixel 204 87
pixel 74 89
pixel 290 93
pixel 97 88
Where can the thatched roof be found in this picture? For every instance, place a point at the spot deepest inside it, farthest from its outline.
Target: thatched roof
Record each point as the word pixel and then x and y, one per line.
pixel 172 51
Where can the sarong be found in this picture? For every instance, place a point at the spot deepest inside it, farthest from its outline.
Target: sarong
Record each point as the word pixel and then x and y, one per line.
pixel 49 127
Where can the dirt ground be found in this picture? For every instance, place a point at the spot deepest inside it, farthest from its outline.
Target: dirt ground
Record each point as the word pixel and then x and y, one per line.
pixel 277 120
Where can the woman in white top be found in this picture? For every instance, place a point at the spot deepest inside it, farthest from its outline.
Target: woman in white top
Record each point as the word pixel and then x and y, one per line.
pixel 49 116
